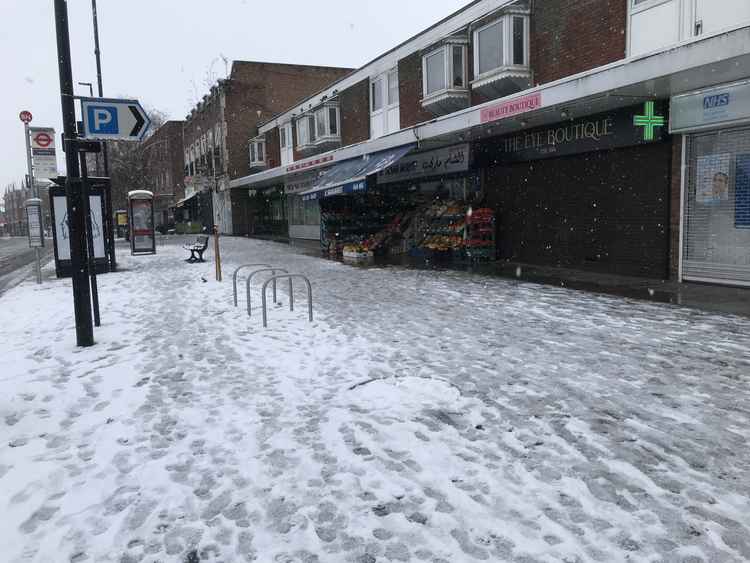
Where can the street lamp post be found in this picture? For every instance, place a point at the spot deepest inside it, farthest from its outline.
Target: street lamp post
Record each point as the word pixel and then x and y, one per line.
pixel 105 156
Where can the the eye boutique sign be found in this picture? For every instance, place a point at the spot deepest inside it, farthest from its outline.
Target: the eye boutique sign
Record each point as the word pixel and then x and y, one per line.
pixel 637 125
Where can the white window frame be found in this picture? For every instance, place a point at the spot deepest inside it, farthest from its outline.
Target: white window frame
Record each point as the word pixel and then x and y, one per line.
pixel 326 135
pixel 287 152
pixel 447 52
pixel 258 149
pixel 303 124
pixel 380 118
pixel 687 24
pixel 506 22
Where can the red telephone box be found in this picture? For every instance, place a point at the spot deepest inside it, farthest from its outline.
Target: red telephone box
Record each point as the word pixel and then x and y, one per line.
pixel 141 218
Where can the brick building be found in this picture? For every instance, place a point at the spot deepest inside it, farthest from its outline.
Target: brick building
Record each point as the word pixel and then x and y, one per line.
pixel 14 205
pixel 218 130
pixel 556 115
pixel 164 160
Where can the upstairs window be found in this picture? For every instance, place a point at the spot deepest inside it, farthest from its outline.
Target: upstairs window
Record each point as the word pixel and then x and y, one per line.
pixel 444 69
pixel 286 143
pixel 658 24
pixel 490 47
pixel 384 104
pixel 376 95
pixel 393 97
pixel 327 123
pixel 333 120
pixel 501 44
pixel 257 152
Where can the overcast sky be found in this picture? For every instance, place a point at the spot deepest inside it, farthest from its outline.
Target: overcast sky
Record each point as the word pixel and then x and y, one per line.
pixel 160 51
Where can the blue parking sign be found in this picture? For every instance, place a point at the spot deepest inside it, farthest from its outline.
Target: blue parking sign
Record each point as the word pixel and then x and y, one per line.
pixel 102 120
pixel 111 119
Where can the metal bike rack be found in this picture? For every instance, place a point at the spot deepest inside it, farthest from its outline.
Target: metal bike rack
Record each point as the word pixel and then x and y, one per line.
pixel 291 295
pixel 273 271
pixel 237 271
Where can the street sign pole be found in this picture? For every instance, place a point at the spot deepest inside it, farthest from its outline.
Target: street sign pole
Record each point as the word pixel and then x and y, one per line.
pixel 76 219
pixel 34 193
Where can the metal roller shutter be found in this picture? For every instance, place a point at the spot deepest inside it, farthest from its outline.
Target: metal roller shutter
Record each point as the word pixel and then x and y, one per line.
pixel 716 243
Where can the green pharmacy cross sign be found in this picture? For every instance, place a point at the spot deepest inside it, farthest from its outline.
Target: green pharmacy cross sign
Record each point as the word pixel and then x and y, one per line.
pixel 649 121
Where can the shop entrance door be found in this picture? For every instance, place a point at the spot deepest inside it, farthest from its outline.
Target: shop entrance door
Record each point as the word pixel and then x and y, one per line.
pixel 716 242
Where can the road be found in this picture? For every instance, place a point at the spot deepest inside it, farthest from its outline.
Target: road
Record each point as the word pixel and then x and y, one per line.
pixel 16 261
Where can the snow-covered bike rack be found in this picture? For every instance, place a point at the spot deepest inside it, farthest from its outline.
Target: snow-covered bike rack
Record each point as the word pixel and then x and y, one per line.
pixel 236 273
pixel 273 272
pixel 291 295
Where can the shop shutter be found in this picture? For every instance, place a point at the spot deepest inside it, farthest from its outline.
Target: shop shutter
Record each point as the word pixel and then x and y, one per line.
pixel 716 222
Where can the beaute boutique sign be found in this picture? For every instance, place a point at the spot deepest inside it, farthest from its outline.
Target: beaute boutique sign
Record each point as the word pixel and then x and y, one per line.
pixel 513 107
pixel 599 132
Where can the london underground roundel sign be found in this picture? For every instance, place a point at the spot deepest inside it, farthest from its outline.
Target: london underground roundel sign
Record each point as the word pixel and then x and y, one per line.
pixel 43 139
pixel 26 116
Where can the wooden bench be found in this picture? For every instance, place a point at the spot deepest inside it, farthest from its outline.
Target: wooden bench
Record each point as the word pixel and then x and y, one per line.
pixel 197 249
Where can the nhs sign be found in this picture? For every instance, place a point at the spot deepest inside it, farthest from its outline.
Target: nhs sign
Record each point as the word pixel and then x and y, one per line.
pixel 716 101
pixel 725 105
pixel 110 119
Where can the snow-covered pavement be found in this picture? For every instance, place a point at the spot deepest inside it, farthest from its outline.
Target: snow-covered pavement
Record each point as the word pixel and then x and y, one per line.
pixel 423 416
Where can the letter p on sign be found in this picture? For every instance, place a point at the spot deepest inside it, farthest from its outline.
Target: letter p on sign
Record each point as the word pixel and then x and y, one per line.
pixel 103 120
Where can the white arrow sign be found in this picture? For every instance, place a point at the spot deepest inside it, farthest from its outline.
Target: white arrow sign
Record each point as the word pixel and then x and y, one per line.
pixel 111 119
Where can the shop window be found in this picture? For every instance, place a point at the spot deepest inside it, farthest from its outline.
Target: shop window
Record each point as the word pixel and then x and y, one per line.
pixel 385 115
pixel 303 212
pixel 444 79
pixel 501 56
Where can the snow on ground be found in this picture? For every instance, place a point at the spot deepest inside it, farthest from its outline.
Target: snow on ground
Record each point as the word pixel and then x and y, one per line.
pixel 423 416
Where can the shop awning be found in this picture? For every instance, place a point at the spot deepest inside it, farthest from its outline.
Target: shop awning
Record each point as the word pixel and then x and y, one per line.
pixel 183 201
pixel 350 176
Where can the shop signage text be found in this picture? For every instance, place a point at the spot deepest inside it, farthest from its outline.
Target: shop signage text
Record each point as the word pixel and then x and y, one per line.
pixel 447 160
pixel 301 183
pixel 310 164
pixel 357 186
pixel 721 106
pixel 599 132
pixel 511 108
